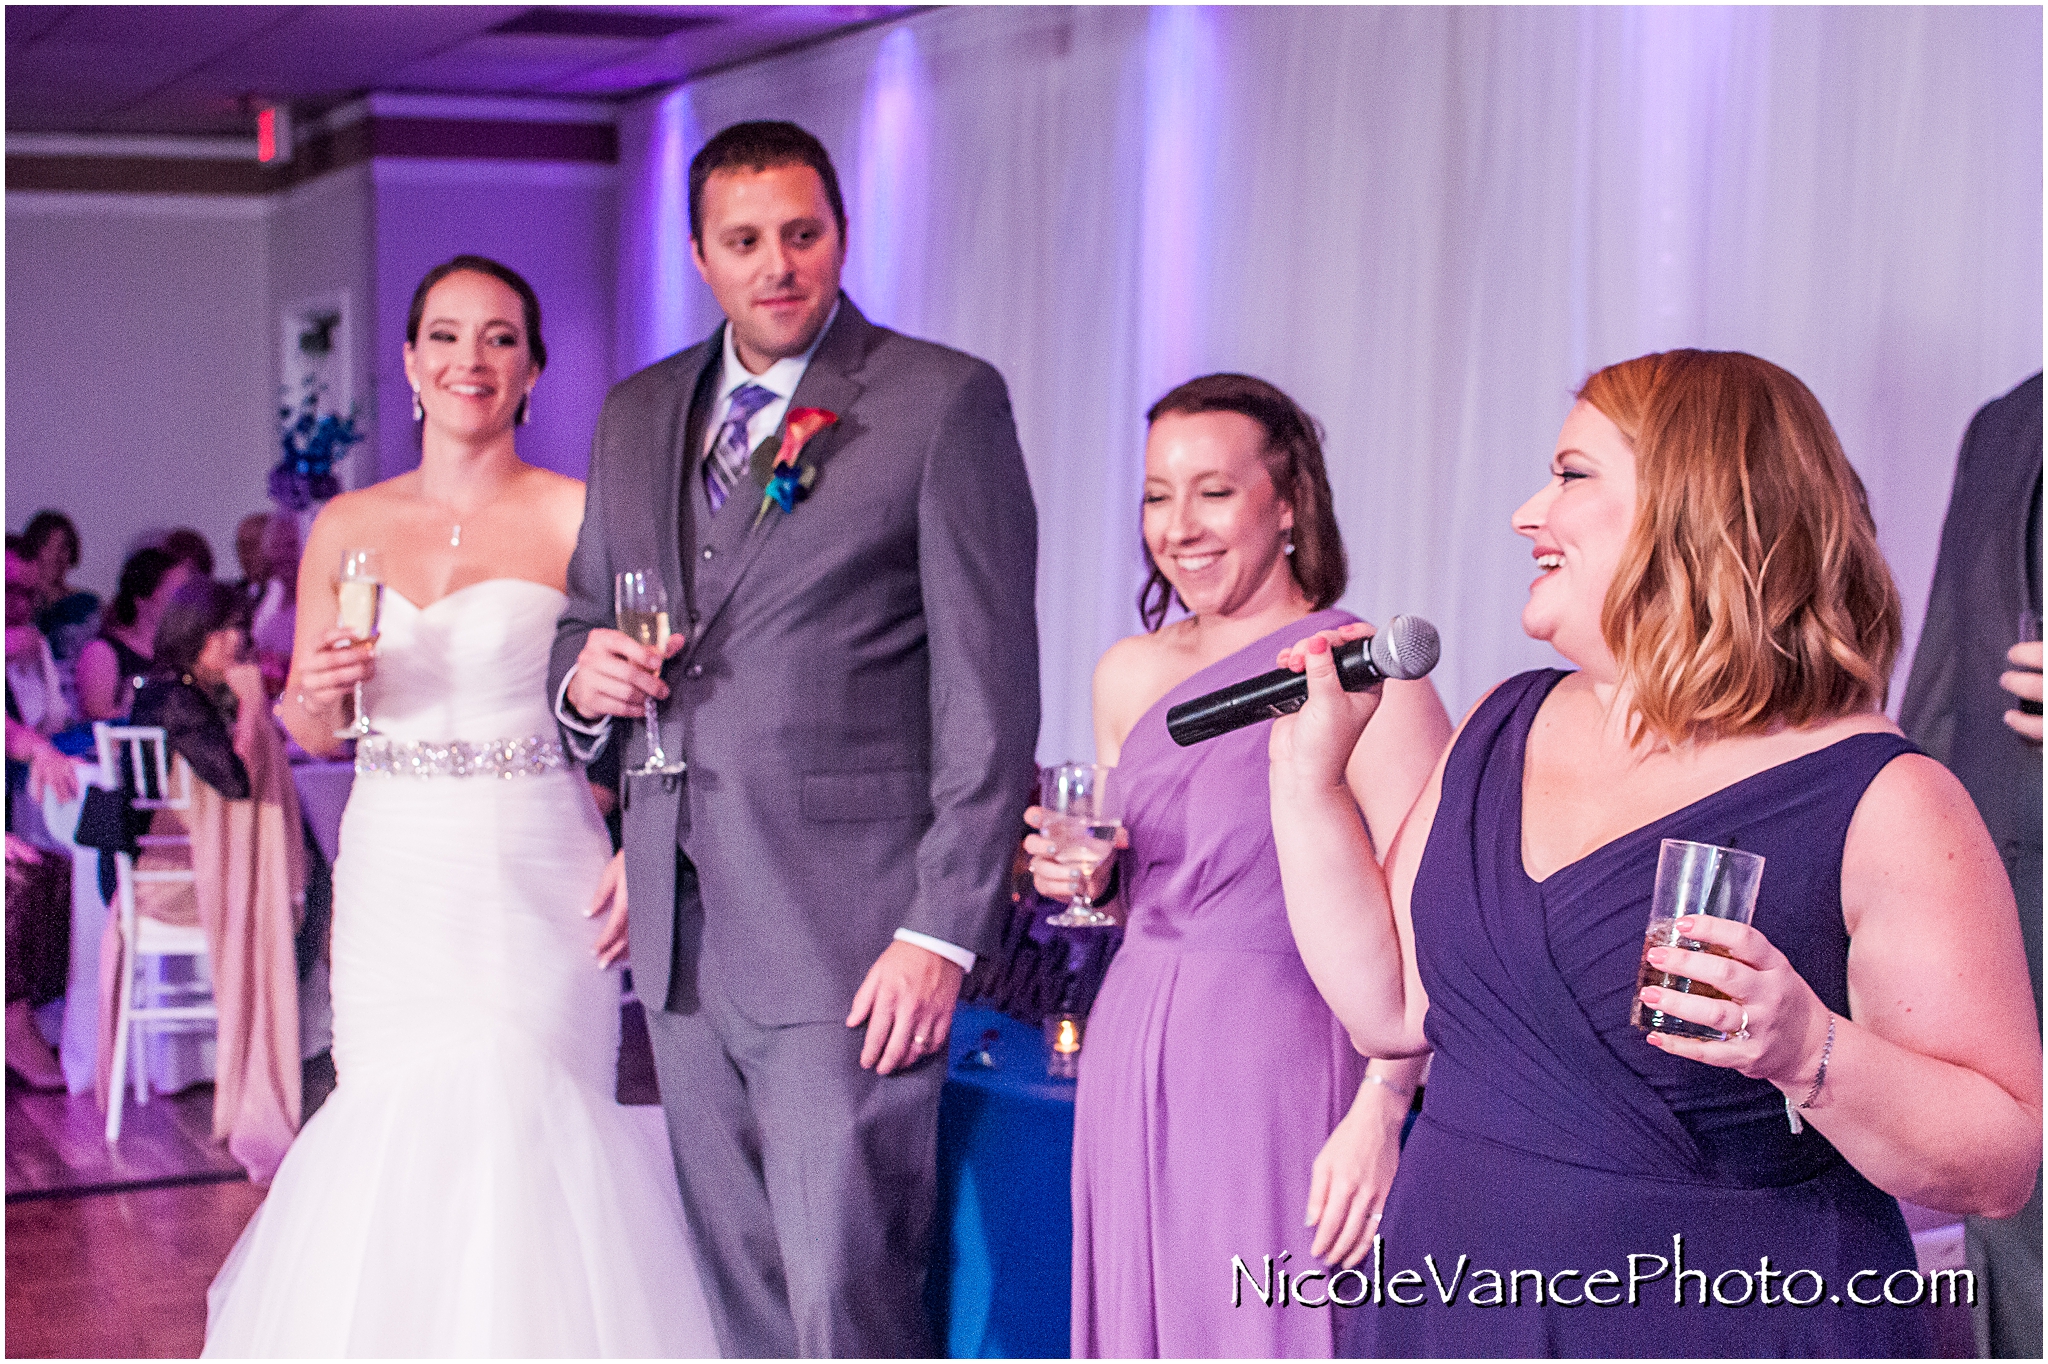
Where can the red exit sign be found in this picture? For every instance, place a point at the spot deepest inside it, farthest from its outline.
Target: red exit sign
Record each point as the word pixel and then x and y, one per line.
pixel 273 134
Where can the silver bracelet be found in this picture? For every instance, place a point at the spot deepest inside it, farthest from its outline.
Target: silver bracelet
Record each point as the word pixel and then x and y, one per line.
pixel 1404 1095
pixel 1820 1077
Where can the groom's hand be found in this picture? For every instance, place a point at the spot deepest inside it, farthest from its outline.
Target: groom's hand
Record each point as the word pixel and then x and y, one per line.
pixel 615 673
pixel 907 1002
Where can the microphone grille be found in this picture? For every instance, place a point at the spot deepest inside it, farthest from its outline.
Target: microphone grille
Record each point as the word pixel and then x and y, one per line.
pixel 1406 649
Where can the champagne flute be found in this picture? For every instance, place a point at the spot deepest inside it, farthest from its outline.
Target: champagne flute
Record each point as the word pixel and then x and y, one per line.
pixel 1084 812
pixel 641 603
pixel 361 594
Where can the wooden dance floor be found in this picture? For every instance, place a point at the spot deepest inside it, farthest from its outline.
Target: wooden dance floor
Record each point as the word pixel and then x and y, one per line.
pixel 117 1275
pixel 109 1252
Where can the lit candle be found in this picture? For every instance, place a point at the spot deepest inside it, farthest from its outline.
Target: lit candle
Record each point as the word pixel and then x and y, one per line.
pixel 1063 1036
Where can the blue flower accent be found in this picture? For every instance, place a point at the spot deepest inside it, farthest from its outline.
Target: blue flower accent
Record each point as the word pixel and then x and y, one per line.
pixel 309 443
pixel 785 487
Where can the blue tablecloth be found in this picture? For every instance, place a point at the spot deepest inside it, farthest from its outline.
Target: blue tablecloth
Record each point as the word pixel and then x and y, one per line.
pixel 1002 1270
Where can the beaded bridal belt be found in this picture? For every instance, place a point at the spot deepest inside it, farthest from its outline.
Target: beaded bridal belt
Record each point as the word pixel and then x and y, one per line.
pixel 491 758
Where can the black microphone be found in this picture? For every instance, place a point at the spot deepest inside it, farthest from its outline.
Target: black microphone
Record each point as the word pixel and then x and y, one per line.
pixel 1406 649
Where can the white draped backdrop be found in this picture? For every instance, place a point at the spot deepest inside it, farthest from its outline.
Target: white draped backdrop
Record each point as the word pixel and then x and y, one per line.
pixel 1428 225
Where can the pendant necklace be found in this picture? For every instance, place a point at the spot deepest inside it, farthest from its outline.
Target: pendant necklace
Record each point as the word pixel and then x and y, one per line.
pixel 455 522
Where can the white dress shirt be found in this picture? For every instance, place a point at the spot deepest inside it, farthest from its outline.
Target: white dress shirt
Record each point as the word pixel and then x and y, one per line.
pixel 781 379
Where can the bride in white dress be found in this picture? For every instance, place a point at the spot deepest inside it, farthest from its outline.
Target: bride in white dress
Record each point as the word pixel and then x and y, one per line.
pixel 471 1187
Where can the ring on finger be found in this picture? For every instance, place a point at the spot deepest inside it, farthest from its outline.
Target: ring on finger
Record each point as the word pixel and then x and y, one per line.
pixel 1741 1034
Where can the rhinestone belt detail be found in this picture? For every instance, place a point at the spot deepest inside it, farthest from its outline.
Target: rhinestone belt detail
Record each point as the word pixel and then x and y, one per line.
pixel 507 758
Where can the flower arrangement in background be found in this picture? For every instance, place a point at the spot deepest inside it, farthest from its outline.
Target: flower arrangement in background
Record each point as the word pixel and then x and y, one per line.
pixel 310 441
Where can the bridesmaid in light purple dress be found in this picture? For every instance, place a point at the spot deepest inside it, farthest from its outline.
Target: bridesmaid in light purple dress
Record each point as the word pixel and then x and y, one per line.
pixel 1220 1100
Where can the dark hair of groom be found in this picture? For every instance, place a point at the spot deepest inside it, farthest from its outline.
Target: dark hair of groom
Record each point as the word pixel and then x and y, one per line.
pixel 760 146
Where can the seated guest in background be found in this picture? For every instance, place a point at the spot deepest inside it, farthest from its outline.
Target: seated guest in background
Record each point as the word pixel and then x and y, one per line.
pixel 36 709
pixel 67 616
pixel 38 905
pixel 267 547
pixel 38 880
pixel 204 690
pixel 112 667
pixel 247 859
pixel 35 692
pixel 1706 556
pixel 188 546
pixel 38 952
pixel 1983 616
pixel 1213 1073
pixel 249 554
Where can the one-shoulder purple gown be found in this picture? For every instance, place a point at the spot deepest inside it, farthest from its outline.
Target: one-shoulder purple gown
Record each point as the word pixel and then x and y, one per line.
pixel 1212 1071
pixel 1554 1138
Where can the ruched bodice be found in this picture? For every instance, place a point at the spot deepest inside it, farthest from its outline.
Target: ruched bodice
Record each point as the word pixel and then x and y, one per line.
pixel 1201 871
pixel 1555 1138
pixel 1555 990
pixel 472 666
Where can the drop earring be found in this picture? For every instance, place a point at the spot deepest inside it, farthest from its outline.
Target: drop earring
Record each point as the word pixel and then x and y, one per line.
pixel 1288 548
pixel 419 413
pixel 525 413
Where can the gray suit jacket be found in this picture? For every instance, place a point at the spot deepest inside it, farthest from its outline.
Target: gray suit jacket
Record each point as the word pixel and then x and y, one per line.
pixel 858 700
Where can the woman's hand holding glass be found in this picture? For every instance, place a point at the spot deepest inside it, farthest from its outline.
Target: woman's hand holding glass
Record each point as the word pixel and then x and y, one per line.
pixel 1056 880
pixel 334 667
pixel 1776 1025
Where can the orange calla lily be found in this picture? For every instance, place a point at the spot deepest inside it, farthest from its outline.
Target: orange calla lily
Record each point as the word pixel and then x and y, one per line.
pixel 803 423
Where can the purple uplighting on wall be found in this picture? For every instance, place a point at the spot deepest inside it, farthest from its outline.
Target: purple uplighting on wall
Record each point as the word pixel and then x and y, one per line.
pixel 886 249
pixel 657 312
pixel 1683 69
pixel 1182 78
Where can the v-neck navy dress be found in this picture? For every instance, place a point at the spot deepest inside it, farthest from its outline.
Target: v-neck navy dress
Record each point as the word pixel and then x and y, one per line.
pixel 1557 1142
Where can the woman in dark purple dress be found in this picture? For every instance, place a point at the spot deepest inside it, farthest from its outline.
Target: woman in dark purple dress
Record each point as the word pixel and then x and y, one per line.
pixel 1577 1187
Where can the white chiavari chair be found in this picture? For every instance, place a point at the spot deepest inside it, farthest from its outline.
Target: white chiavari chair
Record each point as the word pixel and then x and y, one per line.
pixel 161 781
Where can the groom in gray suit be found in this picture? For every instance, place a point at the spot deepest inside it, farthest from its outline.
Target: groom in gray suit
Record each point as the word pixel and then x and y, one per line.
pixel 842 520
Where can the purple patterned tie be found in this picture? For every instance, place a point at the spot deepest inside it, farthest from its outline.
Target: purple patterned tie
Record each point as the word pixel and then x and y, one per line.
pixel 726 465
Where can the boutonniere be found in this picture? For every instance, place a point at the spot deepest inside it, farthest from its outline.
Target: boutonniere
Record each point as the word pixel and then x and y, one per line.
pixel 789 479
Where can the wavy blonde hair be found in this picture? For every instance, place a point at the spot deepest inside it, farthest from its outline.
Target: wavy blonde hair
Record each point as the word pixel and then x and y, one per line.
pixel 1751 592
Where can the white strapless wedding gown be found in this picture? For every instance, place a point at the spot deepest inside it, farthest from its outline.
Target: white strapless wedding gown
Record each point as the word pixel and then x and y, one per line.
pixel 471 1188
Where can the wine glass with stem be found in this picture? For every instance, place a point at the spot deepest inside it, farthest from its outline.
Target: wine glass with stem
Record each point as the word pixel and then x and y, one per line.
pixel 1083 815
pixel 640 601
pixel 360 593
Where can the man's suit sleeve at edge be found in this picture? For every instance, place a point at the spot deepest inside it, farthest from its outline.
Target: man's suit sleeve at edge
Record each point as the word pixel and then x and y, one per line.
pixel 977 562
pixel 589 605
